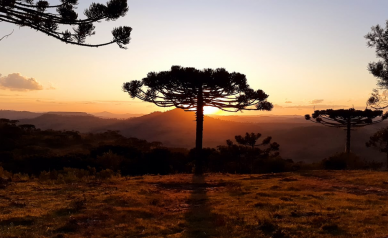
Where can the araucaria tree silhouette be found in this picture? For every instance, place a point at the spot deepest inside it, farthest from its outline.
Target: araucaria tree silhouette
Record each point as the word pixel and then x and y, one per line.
pixel 347 118
pixel 47 18
pixel 379 140
pixel 378 39
pixel 192 89
pixel 250 139
pixel 248 148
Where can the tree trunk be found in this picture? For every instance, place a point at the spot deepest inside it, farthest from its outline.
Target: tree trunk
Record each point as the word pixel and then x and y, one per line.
pixel 199 133
pixel 347 148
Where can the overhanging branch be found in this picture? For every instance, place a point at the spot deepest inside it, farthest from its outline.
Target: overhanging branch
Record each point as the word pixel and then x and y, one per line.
pixel 6 36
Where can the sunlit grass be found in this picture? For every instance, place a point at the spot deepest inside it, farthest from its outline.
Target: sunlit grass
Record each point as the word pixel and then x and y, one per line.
pixel 305 204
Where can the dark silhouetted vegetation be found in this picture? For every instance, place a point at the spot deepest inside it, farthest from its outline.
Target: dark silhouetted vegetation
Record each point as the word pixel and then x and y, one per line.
pixel 379 140
pixel 191 89
pixel 347 118
pixel 377 39
pixel 250 139
pixel 341 161
pixel 32 151
pixel 67 154
pixel 251 158
pixel 48 18
pixel 25 149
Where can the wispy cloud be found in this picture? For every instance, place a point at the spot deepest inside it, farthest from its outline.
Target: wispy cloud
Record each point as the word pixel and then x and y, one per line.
pixel 320 106
pixel 50 87
pixel 316 101
pixel 119 101
pixel 9 95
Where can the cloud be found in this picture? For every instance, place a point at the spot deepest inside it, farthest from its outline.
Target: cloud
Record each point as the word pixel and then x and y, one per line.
pixel 316 101
pixel 46 100
pixel 117 101
pixel 17 82
pixel 311 107
pixel 277 106
pixel 287 102
pixel 321 106
pixel 50 87
pixel 9 95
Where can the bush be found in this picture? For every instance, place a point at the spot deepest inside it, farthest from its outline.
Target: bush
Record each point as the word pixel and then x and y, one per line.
pixel 335 162
pixel 272 165
pixel 5 174
pixel 341 161
pixel 20 177
pixel 110 160
pixel 5 178
pixel 105 174
pixel 72 175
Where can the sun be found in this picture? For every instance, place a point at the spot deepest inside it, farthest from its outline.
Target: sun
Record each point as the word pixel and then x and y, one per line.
pixel 210 110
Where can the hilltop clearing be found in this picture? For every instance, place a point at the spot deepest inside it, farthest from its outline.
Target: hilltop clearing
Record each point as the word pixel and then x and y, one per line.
pixel 305 204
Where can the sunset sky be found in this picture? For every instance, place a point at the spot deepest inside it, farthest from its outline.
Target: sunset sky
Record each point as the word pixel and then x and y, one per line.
pixel 302 53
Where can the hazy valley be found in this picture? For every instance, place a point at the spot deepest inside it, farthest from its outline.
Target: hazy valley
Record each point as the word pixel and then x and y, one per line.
pixel 299 140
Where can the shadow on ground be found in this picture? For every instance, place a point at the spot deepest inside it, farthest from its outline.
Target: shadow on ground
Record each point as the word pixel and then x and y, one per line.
pixel 199 219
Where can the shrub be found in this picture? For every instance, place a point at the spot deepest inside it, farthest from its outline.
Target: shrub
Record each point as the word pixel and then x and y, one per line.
pixel 44 176
pixel 272 165
pixel 105 174
pixel 343 160
pixel 109 160
pixel 336 162
pixel 5 178
pixel 20 177
pixel 5 174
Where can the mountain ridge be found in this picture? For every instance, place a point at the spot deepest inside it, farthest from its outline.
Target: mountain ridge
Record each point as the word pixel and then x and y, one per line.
pixel 302 141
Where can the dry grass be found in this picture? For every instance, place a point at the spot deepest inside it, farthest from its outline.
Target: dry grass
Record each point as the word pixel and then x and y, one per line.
pixel 308 204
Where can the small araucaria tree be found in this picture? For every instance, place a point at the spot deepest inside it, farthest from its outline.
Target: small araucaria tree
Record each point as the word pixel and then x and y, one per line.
pixel 347 118
pixel 248 148
pixel 379 140
pixel 250 139
pixel 47 18
pixel 192 89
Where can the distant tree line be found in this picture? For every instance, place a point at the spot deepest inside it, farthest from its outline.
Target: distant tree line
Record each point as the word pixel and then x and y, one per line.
pixel 25 149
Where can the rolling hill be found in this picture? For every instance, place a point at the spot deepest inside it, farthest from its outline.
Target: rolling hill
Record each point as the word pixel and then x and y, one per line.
pixel 299 140
pixel 16 115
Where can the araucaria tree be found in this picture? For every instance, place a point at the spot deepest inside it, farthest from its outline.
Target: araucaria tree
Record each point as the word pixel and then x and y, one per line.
pixel 379 140
pixel 192 89
pixel 250 139
pixel 378 39
pixel 249 151
pixel 48 18
pixel 347 118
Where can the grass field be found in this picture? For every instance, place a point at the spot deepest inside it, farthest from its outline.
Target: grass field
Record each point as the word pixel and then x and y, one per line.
pixel 302 204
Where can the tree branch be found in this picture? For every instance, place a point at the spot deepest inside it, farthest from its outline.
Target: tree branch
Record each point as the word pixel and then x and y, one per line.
pixel 6 36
